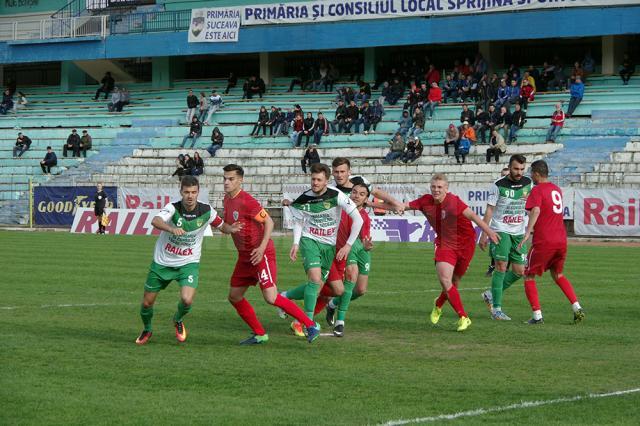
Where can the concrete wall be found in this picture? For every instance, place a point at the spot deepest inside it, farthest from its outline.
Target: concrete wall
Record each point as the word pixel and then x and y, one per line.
pixel 12 7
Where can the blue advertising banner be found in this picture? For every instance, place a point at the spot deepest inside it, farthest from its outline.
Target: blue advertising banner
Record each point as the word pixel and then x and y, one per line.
pixel 57 205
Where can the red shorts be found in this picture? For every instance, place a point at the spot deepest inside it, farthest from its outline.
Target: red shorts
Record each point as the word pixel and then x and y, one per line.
pixel 541 259
pixel 336 273
pixel 245 274
pixel 460 259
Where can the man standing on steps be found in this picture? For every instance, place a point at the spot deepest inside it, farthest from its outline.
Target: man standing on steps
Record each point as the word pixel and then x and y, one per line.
pixel 192 105
pixel 506 215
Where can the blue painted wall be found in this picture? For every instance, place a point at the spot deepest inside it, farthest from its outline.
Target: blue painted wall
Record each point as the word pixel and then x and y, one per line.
pixel 339 35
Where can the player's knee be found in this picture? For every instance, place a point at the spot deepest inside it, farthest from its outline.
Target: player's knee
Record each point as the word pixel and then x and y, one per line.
pixel 270 298
pixel 556 275
pixel 147 304
pixel 233 299
pixel 501 266
pixel 187 301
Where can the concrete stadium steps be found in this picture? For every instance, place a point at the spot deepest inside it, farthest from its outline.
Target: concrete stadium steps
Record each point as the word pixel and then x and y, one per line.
pixel 622 169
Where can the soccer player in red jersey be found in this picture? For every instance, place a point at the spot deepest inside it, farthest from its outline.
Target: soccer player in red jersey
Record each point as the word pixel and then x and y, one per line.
pixel 549 249
pixel 256 258
pixel 455 242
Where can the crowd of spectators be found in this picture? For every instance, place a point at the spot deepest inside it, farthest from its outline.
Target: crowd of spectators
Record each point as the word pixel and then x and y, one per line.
pixel 189 166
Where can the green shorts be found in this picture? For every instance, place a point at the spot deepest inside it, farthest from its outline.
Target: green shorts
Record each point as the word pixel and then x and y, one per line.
pixel 160 276
pixel 359 256
pixel 507 249
pixel 317 255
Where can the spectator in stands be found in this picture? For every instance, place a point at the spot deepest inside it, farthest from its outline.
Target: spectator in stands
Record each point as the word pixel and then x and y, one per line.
pixel 50 160
pixel 257 86
pixel 339 118
pixel 198 165
pixel 311 157
pixel 192 105
pixel 518 119
pixel 479 66
pixel 307 130
pixel 85 143
pixel 405 123
pixel 504 122
pixel 273 118
pixel 115 100
pixel 288 121
pixel 529 79
pixel 195 131
pixel 263 119
pixel 395 92
pixel 481 124
pixel 21 101
pixel 577 93
pixel 396 150
pixel 332 77
pixel 364 93
pixel 451 137
pixel 513 94
pixel 215 103
pixel 467 115
pixel 576 72
pixel 353 114
pixel 486 94
pixel 559 79
pixel 217 139
pixel 373 117
pixel 627 69
pixel 7 102
pixel 106 87
pixel 432 76
pixel 323 72
pixel 298 127
pixel 232 82
pixel 503 94
pixel 189 164
pixel 321 128
pixel 180 166
pixel 434 98
pixel 413 151
pixel 557 122
pixel 527 93
pixel 588 64
pixel 245 89
pixel 73 144
pixel 203 107
pixel 23 143
pixel 125 99
pixel 467 137
pixel 450 89
pixel 418 123
pixel 493 116
pixel 278 124
pixel 496 146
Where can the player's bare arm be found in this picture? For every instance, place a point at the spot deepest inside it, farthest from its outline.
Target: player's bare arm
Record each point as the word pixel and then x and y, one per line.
pixel 367 243
pixel 225 228
pixel 534 213
pixel 488 215
pixel 469 214
pixel 160 224
pixel 258 253
pixel 396 206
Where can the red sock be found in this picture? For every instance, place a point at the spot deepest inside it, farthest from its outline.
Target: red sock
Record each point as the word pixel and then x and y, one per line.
pixel 320 304
pixel 246 312
pixel 567 289
pixel 441 299
pixel 456 302
pixel 292 309
pixel 531 291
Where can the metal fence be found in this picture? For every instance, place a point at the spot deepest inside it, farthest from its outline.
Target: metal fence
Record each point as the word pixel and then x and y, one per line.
pixel 82 26
pixel 150 22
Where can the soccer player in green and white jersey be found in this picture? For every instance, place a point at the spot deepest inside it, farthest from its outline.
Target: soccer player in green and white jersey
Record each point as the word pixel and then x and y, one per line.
pixel 507 216
pixel 177 253
pixel 317 218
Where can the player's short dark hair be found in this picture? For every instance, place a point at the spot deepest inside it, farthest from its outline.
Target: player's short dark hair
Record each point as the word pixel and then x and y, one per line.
pixel 362 184
pixel 189 181
pixel 339 161
pixel 234 168
pixel 321 168
pixel 518 158
pixel 540 167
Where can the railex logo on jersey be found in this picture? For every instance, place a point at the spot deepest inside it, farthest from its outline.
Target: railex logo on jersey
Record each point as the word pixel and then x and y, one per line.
pixel 322 232
pixel 512 220
pixel 178 251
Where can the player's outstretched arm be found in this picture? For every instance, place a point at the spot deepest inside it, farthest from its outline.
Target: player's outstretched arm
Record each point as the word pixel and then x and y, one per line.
pixel 160 224
pixel 356 225
pixel 388 199
pixel 469 214
pixel 225 228
pixel 484 238
pixel 534 214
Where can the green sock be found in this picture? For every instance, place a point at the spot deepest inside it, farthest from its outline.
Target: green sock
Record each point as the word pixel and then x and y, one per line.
pixel 297 293
pixel 510 278
pixel 345 300
pixel 182 311
pixel 335 302
pixel 496 288
pixel 147 315
pixel 310 297
pixel 355 296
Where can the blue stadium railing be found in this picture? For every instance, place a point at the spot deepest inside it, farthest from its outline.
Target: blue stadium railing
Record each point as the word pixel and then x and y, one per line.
pixel 148 22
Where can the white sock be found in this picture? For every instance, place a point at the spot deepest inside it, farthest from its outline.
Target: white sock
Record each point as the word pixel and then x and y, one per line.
pixel 537 315
pixel 494 309
pixel 331 304
pixel 339 322
pixel 283 294
pixel 576 307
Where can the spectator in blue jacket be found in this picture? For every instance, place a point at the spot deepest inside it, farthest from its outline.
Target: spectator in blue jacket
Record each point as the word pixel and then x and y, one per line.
pixel 513 92
pixel 405 123
pixel 450 89
pixel 577 93
pixel 50 160
pixel 7 102
pixel 373 117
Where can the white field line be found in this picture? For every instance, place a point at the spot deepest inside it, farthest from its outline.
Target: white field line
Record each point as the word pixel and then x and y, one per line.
pixel 431 290
pixel 519 406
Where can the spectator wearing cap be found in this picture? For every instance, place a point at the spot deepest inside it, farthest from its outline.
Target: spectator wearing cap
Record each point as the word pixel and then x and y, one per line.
pixel 413 150
pixel 557 122
pixel 85 143
pixel 311 157
pixel 451 137
pixel 577 93
pixel 467 138
pixel 23 143
pixel 73 144
pixel 50 160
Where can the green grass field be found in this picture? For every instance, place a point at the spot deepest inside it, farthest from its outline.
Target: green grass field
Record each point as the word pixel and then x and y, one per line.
pixel 69 317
